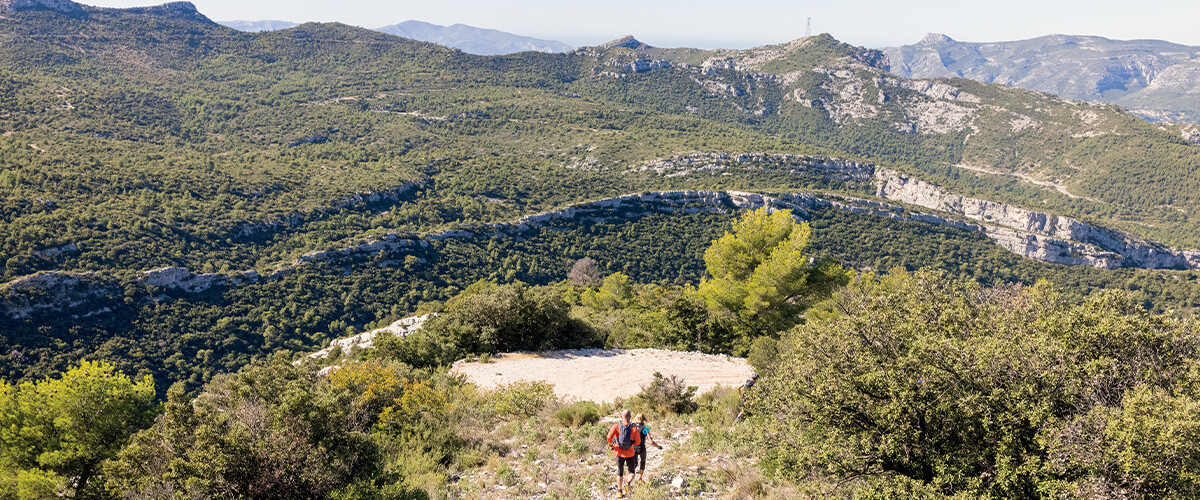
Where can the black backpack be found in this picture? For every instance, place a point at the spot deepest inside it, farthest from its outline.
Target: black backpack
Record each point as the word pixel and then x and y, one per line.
pixel 625 438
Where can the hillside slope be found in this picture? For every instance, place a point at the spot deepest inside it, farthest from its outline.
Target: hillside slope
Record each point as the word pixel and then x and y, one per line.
pixel 163 173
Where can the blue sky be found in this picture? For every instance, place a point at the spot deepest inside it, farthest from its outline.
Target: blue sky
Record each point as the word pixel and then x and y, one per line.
pixel 744 23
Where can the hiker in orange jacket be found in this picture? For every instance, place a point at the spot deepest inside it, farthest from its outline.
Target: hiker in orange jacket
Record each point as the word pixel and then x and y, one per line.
pixel 623 438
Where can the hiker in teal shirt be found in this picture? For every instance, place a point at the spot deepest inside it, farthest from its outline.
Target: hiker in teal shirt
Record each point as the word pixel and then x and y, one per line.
pixel 640 420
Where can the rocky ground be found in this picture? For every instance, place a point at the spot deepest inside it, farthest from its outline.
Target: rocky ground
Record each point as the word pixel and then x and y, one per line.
pixel 703 455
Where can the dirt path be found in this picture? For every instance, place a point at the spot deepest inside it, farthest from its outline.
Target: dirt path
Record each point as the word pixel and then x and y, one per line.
pixel 604 375
pixel 1058 187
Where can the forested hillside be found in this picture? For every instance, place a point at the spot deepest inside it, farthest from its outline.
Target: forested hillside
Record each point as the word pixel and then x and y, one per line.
pixel 138 139
pixel 143 138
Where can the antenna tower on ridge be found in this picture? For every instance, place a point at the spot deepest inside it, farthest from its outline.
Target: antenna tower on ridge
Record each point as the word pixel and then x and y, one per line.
pixel 808 30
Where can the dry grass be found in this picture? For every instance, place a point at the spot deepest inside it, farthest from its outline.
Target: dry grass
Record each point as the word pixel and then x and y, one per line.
pixel 538 458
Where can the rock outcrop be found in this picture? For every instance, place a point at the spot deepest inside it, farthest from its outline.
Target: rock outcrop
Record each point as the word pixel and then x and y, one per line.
pixel 61 6
pixel 1037 235
pixel 55 291
pixel 644 65
pixel 1190 133
pixel 1114 249
pixel 389 242
pixel 56 251
pixel 180 278
pixel 627 42
pixel 400 328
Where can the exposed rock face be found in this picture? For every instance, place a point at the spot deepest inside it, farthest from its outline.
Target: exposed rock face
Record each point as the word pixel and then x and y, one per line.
pixel 401 328
pixel 173 9
pixel 832 168
pixel 627 41
pixel 390 242
pixel 180 278
pixel 1115 249
pixel 1042 236
pixel 63 6
pixel 644 65
pixel 1191 133
pixel 56 291
pixel 56 251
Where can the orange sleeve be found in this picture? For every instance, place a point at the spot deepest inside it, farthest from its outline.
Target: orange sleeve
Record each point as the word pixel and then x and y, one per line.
pixel 612 433
pixel 637 437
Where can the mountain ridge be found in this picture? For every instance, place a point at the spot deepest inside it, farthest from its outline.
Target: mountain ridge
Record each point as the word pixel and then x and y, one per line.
pixel 181 9
pixel 257 26
pixel 835 88
pixel 1154 78
pixel 471 39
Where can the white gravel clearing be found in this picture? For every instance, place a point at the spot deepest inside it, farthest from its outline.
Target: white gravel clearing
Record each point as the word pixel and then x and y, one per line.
pixel 602 375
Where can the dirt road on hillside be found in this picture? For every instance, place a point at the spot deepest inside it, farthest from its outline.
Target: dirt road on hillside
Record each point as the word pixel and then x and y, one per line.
pixel 604 375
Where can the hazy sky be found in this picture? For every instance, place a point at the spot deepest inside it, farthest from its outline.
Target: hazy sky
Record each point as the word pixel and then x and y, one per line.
pixel 743 23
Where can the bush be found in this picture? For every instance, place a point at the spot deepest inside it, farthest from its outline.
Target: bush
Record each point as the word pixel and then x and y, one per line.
pixel 764 355
pixel 578 414
pixel 668 395
pixel 506 475
pixel 521 399
pixel 983 393
pixel 490 318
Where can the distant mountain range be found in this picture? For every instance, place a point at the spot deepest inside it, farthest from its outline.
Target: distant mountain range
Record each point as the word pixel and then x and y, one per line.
pixel 469 39
pixel 1156 79
pixel 473 40
pixel 257 26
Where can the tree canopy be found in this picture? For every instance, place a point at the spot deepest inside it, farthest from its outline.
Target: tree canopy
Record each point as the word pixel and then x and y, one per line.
pixel 760 278
pixel 54 433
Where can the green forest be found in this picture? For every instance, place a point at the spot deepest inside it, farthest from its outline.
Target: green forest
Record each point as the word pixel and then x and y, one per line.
pixel 910 383
pixel 898 358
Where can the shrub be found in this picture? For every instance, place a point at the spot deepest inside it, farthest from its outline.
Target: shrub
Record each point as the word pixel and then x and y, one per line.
pixel 668 394
pixel 506 475
pixel 521 399
pixel 491 318
pixel 983 393
pixel 764 354
pixel 578 414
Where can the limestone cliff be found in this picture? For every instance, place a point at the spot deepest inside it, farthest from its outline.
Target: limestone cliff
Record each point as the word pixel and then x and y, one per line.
pixel 1116 249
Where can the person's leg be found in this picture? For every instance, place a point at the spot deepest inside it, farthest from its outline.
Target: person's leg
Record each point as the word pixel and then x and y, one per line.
pixel 620 476
pixel 641 463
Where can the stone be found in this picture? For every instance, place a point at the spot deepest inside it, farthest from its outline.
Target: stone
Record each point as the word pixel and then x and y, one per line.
pixel 678 483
